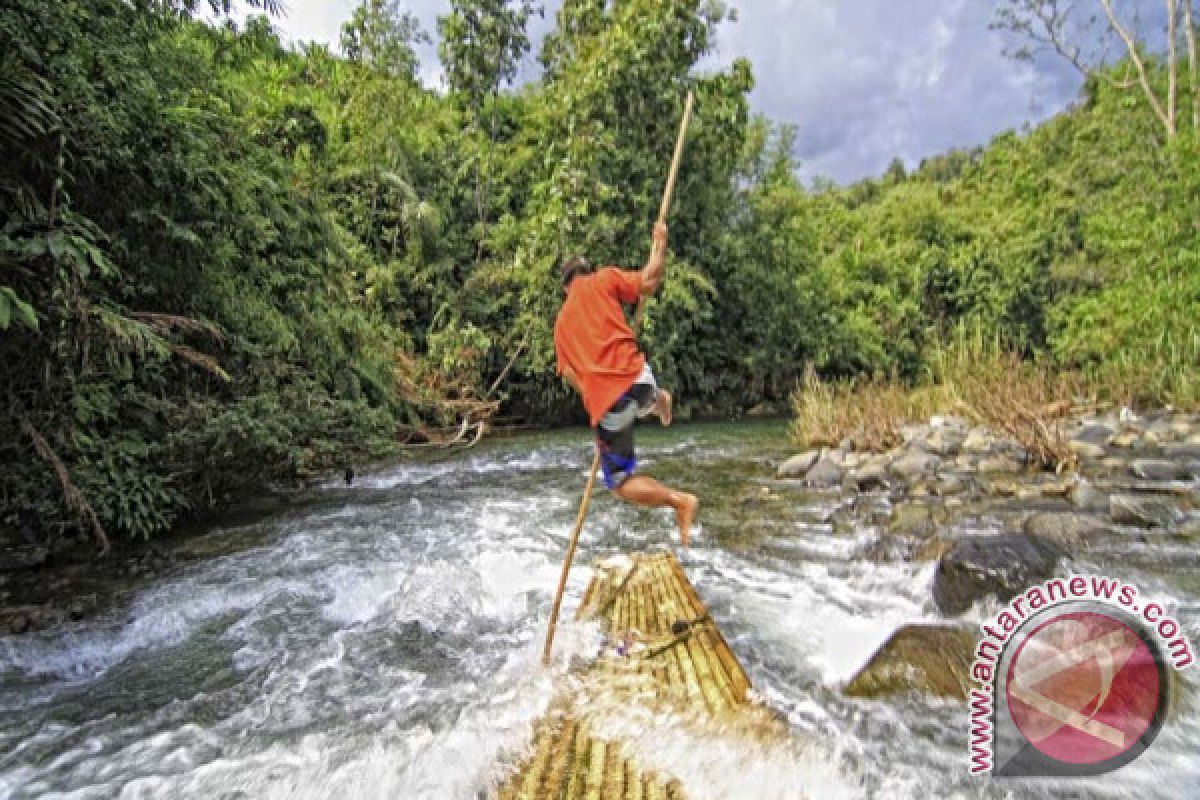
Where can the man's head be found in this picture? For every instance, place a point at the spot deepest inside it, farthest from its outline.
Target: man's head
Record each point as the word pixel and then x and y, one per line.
pixel 575 265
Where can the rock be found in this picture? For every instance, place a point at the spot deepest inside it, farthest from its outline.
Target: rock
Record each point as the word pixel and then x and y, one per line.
pixel 1086 497
pixel 1189 527
pixel 1144 511
pixel 949 485
pixel 872 477
pixel 1056 488
pixel 915 434
pixel 1065 527
pixel 1001 565
pixel 914 464
pixel 1086 450
pixel 798 466
pixel 1151 469
pixel 978 440
pixel 1095 433
pixel 931 659
pixel 999 464
pixel 825 474
pixel 1184 451
pixel 1003 487
pixel 1125 440
pixel 916 520
pixel 944 441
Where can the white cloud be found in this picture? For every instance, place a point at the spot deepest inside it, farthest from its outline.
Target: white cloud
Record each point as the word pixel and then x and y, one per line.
pixel 864 81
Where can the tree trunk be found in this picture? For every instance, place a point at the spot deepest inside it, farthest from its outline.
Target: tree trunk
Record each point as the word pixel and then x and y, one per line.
pixel 1172 58
pixel 1189 34
pixel 1140 66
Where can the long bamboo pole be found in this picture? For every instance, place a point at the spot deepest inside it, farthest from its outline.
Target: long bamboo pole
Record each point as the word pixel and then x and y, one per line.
pixel 663 210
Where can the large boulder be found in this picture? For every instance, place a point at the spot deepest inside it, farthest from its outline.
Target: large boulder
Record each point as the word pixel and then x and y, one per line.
pixel 1002 565
pixel 799 465
pixel 932 659
pixel 1146 511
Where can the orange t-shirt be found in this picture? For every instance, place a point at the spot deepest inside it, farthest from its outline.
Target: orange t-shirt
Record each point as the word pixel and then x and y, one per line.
pixel 593 338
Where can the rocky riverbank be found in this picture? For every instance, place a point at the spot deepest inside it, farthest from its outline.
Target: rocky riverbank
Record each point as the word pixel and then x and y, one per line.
pixel 971 500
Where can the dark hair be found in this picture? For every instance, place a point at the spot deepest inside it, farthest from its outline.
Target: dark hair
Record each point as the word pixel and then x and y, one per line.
pixel 575 265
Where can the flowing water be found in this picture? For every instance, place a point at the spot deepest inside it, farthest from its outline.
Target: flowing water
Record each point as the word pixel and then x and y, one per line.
pixel 383 641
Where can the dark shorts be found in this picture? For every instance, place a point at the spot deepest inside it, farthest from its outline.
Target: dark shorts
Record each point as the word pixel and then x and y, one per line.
pixel 614 434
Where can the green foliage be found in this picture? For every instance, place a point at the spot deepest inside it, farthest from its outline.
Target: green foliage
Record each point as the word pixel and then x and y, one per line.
pixel 226 264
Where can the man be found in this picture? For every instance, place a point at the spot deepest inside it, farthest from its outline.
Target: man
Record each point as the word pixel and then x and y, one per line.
pixel 599 357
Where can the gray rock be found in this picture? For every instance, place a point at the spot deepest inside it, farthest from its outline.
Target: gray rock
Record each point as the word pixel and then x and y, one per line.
pixel 1001 565
pixel 949 485
pixel 1184 451
pixel 1144 511
pixel 1088 450
pixel 944 441
pixel 1000 464
pixel 825 474
pixel 1152 469
pixel 1065 527
pixel 914 464
pixel 915 434
pixel 931 659
pixel 1086 497
pixel 799 465
pixel 872 477
pixel 1095 433
pixel 978 440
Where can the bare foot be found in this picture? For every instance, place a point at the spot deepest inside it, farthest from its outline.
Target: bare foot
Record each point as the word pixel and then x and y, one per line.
pixel 663 401
pixel 684 514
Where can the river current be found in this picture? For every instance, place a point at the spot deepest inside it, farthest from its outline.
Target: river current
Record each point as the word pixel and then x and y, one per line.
pixel 382 641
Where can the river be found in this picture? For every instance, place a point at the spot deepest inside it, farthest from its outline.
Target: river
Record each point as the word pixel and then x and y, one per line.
pixel 382 640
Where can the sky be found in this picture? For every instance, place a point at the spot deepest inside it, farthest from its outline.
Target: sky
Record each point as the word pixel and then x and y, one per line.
pixel 863 81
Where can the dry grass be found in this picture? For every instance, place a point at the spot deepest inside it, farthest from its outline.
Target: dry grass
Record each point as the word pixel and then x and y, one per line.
pixel 869 413
pixel 978 382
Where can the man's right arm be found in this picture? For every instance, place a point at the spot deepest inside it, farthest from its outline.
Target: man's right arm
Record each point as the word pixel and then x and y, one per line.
pixel 652 273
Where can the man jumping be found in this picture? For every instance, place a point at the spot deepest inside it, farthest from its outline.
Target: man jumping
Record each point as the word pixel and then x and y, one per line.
pixel 599 357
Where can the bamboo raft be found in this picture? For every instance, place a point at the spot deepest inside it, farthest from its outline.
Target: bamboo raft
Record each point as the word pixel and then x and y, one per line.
pixel 663 655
